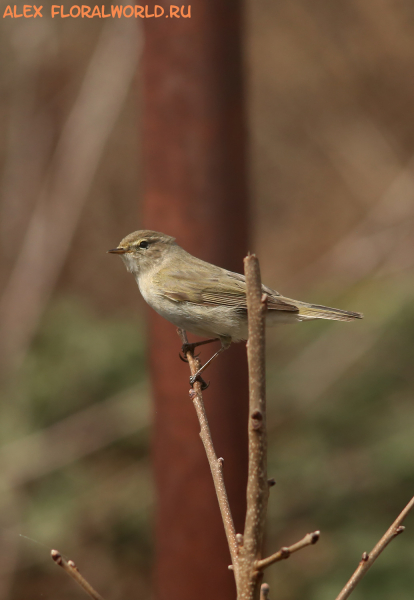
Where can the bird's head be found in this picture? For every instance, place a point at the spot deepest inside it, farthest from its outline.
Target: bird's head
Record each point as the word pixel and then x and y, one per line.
pixel 143 250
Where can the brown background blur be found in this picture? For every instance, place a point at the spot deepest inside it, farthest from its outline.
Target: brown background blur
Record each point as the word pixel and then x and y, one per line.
pixel 330 97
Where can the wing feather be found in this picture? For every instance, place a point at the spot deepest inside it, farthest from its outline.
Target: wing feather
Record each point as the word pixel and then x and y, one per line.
pixel 218 288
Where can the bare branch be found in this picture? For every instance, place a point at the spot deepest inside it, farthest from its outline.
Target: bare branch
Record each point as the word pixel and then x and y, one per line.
pixel 368 560
pixel 72 570
pixel 216 464
pixel 246 549
pixel 285 552
pixel 257 484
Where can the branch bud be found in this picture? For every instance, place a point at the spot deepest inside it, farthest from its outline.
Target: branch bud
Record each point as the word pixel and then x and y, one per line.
pixel 257 419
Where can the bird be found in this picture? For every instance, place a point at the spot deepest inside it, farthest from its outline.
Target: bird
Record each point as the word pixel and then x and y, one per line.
pixel 202 298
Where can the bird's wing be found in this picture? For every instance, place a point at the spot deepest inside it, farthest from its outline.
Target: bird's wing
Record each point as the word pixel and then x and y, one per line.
pixel 216 287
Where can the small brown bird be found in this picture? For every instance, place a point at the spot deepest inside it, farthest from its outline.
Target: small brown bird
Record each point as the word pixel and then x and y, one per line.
pixel 204 299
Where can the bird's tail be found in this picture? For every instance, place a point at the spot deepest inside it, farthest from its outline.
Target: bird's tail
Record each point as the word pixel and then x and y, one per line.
pixel 315 311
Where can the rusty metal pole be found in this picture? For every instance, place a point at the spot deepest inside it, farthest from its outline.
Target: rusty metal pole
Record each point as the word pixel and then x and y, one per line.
pixel 194 155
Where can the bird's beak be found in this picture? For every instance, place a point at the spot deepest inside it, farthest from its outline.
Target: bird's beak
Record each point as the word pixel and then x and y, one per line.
pixel 117 251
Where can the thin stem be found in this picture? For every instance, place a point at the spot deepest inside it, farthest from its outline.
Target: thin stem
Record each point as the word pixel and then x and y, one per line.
pixel 216 464
pixel 285 552
pixel 72 570
pixel 257 484
pixel 368 560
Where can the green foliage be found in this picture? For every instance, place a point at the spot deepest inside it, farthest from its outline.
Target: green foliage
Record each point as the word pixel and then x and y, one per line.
pixel 344 465
pixel 342 460
pixel 99 504
pixel 77 359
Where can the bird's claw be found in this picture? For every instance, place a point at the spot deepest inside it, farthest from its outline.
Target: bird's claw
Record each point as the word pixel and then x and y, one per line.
pixel 197 377
pixel 187 348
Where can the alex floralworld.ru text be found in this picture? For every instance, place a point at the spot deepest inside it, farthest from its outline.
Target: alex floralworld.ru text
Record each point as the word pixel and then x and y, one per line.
pixel 29 11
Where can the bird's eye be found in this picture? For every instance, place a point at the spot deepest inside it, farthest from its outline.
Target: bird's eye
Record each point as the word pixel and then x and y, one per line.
pixel 143 244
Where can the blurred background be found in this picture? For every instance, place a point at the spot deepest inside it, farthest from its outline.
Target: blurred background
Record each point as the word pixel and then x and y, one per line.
pixel 330 126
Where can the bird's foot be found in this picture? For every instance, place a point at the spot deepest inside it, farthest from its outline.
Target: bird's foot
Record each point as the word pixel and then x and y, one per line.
pixel 198 377
pixel 187 348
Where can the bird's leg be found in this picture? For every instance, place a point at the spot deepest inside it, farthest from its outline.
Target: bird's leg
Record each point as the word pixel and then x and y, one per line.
pixel 196 376
pixel 190 347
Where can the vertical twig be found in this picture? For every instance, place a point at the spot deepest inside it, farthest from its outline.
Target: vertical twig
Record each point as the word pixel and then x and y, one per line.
pixel 368 560
pixel 257 485
pixel 216 464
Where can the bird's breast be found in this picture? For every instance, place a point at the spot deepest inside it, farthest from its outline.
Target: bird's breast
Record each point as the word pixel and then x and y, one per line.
pixel 202 320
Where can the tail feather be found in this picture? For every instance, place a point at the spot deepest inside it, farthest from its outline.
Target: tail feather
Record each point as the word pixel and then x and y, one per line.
pixel 316 311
